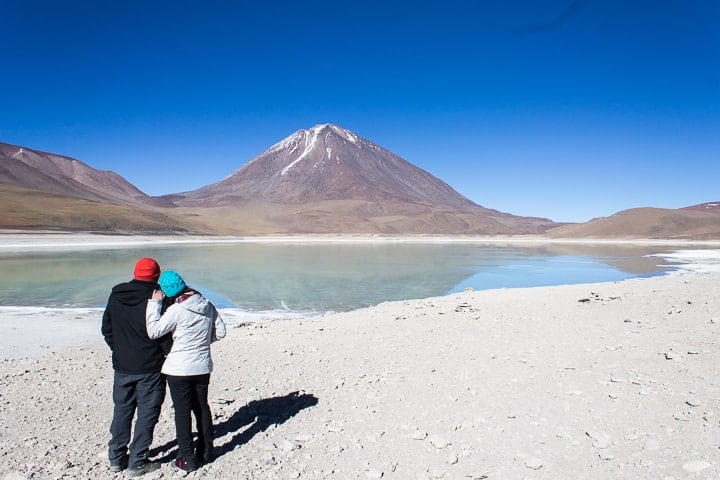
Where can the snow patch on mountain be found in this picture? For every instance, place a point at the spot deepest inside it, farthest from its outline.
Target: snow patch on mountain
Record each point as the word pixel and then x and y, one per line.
pixel 309 146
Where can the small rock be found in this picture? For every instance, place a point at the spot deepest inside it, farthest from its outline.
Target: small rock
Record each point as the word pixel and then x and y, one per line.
pixel 419 435
pixel 373 474
pixel 288 446
pixel 533 463
pixel 438 442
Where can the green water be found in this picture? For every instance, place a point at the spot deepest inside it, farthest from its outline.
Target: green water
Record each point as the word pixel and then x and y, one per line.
pixel 315 277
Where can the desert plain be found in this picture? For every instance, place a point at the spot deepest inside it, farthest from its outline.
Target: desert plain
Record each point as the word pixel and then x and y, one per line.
pixel 611 380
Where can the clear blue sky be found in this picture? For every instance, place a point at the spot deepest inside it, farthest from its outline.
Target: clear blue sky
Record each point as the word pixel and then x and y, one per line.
pixel 559 108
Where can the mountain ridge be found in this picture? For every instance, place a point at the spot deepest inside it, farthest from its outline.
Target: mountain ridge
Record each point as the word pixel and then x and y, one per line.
pixel 325 179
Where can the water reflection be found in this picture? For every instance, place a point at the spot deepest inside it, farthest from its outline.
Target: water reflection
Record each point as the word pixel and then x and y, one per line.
pixel 316 277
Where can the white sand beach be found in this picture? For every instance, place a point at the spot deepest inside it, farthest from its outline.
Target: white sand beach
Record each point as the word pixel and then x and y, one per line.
pixel 597 381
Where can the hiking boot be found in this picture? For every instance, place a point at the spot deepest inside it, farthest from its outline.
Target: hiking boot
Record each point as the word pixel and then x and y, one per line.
pixel 117 468
pixel 142 469
pixel 185 466
pixel 118 464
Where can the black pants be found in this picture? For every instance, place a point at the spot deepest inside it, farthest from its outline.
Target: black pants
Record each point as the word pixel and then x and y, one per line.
pixel 143 393
pixel 189 394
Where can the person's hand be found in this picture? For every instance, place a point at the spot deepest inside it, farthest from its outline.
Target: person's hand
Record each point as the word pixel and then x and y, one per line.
pixel 157 295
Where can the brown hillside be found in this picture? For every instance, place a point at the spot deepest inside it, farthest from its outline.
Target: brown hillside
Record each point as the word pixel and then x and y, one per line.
pixel 25 208
pixel 68 177
pixel 654 223
pixel 348 216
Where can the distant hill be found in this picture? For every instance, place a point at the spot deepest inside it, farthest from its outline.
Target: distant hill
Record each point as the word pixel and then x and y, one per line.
pixel 328 179
pixel 41 190
pixel 29 209
pixel 693 222
pixel 57 174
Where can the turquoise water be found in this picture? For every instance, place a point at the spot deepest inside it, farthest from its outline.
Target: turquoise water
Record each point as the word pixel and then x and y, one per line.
pixel 315 277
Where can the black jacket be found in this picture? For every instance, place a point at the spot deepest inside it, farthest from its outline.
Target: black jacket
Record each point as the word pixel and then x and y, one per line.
pixel 123 326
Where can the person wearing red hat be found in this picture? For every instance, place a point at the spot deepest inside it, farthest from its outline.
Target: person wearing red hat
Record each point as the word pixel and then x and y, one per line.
pixel 138 386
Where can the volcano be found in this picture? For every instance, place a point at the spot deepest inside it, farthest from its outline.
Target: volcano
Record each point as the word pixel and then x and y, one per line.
pixel 328 178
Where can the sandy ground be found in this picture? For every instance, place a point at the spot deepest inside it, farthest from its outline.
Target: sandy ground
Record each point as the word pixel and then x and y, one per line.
pixel 599 381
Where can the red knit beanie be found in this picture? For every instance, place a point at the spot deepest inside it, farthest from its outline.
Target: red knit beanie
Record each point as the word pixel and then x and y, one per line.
pixel 146 269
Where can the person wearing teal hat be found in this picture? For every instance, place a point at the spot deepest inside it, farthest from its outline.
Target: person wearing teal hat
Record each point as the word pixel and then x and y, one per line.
pixel 195 323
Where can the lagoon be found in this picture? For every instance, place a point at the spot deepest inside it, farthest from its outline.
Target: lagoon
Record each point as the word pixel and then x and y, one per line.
pixel 317 278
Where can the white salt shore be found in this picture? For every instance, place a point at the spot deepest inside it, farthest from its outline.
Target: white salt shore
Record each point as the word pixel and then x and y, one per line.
pixel 595 381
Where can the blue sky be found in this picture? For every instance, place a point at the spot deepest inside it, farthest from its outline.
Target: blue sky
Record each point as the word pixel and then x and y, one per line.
pixel 563 109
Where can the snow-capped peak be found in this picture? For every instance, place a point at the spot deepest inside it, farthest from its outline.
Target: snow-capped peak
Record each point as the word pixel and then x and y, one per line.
pixel 346 134
pixel 310 138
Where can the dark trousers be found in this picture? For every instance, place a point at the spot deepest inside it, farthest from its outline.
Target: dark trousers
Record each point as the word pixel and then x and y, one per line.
pixel 189 394
pixel 142 394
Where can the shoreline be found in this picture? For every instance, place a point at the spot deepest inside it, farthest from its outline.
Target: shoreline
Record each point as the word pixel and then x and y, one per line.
pixel 27 332
pixel 49 241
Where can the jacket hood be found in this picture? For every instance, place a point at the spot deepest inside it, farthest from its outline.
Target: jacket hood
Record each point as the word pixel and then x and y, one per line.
pixel 134 292
pixel 197 304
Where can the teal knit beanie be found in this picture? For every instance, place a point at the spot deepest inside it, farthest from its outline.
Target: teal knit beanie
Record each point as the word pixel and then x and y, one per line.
pixel 171 283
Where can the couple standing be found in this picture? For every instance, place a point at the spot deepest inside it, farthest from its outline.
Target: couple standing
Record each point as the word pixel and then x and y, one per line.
pixel 158 328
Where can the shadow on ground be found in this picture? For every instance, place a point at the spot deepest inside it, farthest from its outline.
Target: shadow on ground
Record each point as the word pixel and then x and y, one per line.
pixel 257 416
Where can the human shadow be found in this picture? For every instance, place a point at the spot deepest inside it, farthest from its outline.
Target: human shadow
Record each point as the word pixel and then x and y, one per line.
pixel 257 415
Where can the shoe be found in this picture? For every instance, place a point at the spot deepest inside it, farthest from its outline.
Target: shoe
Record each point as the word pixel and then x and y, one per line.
pixel 181 464
pixel 117 468
pixel 205 454
pixel 142 469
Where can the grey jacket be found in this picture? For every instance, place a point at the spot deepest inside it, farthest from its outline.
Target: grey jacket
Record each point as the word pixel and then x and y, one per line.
pixel 195 323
